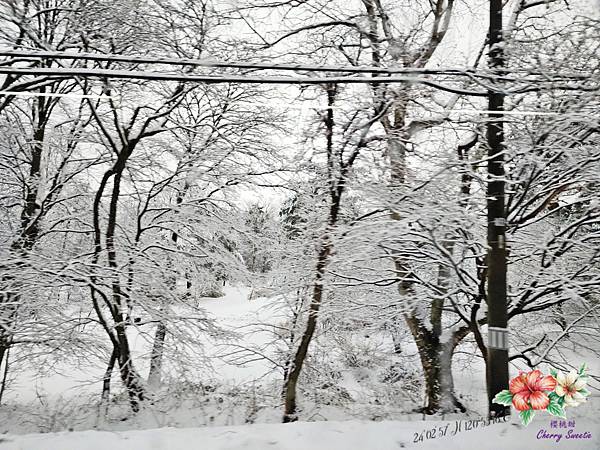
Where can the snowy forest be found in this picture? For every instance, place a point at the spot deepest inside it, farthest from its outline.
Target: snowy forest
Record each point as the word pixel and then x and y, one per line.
pixel 240 213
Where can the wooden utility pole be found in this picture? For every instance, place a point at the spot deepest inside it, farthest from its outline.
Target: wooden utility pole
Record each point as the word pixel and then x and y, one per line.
pixel 497 355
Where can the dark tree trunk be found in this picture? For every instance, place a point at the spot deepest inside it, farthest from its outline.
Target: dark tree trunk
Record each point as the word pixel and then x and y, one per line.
pixel 4 354
pixel 132 382
pixel 4 346
pixel 289 388
pixel 436 356
pixel 336 190
pixel 338 169
pixel 107 379
pixel 292 338
pixel 29 227
pixel 117 303
pixel 129 376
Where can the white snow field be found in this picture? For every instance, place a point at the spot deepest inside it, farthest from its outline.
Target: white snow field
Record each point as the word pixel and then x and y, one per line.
pixel 350 435
pixel 236 312
pixel 233 311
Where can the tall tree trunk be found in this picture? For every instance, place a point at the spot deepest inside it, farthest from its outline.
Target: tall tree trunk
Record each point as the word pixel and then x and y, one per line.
pixel 436 360
pixel 132 382
pixel 4 354
pixel 338 169
pixel 117 303
pixel 292 336
pixel 129 376
pixel 29 227
pixel 300 356
pixel 156 357
pixel 336 189
pixel 105 399
pixel 436 357
pixel 4 348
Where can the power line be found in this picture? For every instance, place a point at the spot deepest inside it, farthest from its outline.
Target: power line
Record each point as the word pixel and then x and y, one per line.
pixel 211 63
pixel 215 79
pixel 75 72
pixel 53 94
pixel 313 105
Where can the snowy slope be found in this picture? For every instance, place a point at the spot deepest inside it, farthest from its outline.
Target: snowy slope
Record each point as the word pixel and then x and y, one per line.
pixel 237 313
pixel 304 436
pixel 233 311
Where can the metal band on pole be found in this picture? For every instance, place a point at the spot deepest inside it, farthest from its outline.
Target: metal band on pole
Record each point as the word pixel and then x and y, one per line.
pixel 498 338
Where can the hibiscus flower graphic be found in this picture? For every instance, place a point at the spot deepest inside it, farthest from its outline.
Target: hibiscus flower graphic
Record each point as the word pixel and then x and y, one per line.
pixel 528 389
pixel 532 391
pixel 572 387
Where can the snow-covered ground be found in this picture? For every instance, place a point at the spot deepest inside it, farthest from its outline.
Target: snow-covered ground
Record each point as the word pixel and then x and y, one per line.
pixel 237 313
pixel 234 312
pixel 315 436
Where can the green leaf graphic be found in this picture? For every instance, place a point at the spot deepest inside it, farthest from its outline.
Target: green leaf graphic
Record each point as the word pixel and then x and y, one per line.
pixel 556 410
pixel 582 369
pixel 584 392
pixel 526 416
pixel 503 398
pixel 554 373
